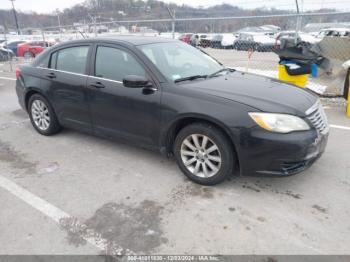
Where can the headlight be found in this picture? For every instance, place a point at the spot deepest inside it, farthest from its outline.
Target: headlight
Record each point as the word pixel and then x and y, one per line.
pixel 280 123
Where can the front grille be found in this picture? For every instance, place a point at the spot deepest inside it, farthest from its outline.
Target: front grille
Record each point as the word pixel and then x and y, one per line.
pixel 318 118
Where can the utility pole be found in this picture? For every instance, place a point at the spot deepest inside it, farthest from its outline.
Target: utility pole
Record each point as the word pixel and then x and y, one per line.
pixel 298 25
pixel 172 15
pixel 94 21
pixel 58 20
pixel 8 54
pixel 15 15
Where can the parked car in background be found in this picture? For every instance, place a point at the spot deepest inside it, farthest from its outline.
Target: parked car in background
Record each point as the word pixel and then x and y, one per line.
pixel 194 40
pixel 12 45
pixel 216 40
pixel 222 41
pixel 270 30
pixel 186 38
pixel 200 40
pixel 254 41
pixel 301 37
pixel 32 48
pixel 205 40
pixel 228 40
pixel 334 32
pixel 6 54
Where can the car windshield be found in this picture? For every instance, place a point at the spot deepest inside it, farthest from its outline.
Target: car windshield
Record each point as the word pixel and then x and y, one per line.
pixel 178 60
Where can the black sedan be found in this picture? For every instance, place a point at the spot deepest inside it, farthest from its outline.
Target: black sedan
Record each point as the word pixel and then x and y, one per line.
pixel 166 95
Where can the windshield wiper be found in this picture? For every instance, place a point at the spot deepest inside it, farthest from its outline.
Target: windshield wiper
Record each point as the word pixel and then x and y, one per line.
pixel 190 78
pixel 221 70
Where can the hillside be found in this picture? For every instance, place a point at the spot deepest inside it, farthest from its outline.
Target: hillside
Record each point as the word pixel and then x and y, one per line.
pixel 117 10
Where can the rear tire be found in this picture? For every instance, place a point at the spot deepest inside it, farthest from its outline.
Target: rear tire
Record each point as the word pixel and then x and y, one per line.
pixel 42 116
pixel 203 153
pixel 28 55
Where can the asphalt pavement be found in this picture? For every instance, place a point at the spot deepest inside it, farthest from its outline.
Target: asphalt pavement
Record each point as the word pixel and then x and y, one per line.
pixel 77 194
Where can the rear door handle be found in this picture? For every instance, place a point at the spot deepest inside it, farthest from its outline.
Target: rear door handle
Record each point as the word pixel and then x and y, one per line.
pixel 51 75
pixel 97 85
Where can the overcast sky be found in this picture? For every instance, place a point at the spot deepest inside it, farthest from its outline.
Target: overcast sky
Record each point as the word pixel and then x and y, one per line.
pixel 46 6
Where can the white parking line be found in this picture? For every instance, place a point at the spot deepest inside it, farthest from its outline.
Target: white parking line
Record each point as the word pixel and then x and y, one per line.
pixel 45 208
pixel 340 127
pixel 7 78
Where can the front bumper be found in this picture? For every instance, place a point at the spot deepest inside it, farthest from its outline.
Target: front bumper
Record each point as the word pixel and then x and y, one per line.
pixel 265 47
pixel 272 154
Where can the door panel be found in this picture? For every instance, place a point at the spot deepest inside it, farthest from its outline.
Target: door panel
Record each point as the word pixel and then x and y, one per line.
pixel 118 111
pixel 66 80
pixel 69 95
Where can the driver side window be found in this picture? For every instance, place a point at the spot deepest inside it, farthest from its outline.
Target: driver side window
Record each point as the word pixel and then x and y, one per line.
pixel 114 64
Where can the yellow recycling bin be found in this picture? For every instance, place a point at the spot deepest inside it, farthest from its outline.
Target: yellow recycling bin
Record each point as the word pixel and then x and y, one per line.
pixel 299 80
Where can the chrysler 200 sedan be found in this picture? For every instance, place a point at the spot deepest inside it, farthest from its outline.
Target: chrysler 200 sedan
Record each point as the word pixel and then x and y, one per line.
pixel 165 95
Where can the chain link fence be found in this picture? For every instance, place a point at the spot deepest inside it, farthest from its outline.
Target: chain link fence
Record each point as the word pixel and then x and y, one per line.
pixel 246 43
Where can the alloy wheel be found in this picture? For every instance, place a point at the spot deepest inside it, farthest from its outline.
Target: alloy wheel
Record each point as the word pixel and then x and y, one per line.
pixel 200 155
pixel 40 115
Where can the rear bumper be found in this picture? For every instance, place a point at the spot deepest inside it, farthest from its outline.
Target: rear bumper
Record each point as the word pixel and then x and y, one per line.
pixel 20 93
pixel 271 154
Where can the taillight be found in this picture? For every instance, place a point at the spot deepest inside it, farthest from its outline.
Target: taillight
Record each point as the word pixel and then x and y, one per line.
pixel 18 72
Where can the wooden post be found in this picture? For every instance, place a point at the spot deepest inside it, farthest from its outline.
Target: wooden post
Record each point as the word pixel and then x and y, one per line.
pixel 348 108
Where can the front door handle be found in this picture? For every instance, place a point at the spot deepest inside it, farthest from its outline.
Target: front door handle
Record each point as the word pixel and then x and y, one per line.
pixel 51 75
pixel 97 85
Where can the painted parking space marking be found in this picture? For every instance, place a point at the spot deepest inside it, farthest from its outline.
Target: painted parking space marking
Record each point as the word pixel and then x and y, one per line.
pixel 34 201
pixel 340 127
pixel 7 78
pixel 52 212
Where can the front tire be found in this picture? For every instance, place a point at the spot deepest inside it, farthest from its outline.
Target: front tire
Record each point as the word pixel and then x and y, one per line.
pixel 42 116
pixel 257 48
pixel 203 153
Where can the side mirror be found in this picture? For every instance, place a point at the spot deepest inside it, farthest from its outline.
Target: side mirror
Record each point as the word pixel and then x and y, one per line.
pixel 133 81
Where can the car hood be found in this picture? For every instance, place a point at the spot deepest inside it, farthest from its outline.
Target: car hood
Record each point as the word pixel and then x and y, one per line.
pixel 259 92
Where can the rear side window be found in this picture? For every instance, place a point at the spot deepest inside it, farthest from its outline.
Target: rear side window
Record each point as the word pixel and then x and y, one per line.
pixel 43 61
pixel 71 59
pixel 115 64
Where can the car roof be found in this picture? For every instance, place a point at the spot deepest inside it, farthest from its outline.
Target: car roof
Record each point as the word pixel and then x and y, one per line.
pixel 16 41
pixel 335 29
pixel 252 33
pixel 131 40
